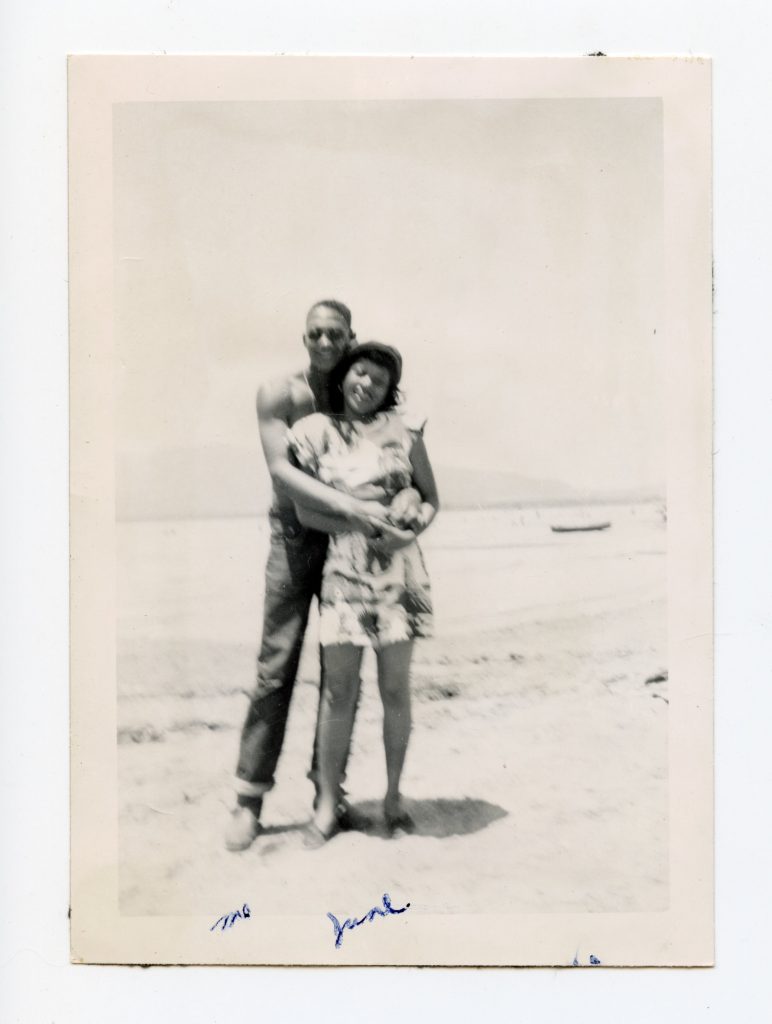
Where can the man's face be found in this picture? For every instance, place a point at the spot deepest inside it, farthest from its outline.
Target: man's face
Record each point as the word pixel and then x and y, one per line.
pixel 327 338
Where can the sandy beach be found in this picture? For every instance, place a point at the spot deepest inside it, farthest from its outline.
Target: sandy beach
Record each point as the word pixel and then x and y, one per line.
pixel 537 771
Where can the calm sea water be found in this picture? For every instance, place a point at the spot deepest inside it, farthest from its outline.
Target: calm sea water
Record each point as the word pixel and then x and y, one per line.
pixel 203 579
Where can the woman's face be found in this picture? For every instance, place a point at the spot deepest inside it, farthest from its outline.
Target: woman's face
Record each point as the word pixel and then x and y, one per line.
pixel 365 387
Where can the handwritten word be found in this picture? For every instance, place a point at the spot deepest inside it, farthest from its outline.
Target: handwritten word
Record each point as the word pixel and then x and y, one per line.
pixel 593 960
pixel 228 920
pixel 350 923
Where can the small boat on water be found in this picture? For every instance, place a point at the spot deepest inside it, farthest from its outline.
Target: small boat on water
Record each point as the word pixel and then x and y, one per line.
pixel 584 528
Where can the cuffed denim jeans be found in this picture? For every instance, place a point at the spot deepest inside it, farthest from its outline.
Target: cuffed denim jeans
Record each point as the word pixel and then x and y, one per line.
pixel 293 578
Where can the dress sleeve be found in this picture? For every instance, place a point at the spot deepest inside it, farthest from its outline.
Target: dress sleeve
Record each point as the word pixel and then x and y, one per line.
pixel 414 424
pixel 305 442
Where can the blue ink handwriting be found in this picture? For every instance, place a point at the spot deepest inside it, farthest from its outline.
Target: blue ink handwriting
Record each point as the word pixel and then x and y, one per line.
pixel 593 960
pixel 351 923
pixel 228 920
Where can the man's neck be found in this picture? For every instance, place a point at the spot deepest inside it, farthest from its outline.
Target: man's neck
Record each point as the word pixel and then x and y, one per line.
pixel 319 383
pixel 316 377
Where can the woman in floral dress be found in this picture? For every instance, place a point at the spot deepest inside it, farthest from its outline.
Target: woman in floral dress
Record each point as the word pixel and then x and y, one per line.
pixel 375 589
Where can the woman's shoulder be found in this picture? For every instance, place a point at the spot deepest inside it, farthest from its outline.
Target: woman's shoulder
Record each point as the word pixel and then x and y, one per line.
pixel 313 425
pixel 408 422
pixel 310 438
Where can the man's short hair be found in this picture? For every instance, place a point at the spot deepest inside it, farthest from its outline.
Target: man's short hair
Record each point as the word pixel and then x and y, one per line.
pixel 340 308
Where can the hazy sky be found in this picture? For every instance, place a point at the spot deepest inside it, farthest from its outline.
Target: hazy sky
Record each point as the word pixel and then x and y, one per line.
pixel 511 249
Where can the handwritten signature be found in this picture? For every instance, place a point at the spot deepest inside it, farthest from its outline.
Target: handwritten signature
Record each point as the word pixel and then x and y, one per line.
pixel 228 920
pixel 593 960
pixel 383 911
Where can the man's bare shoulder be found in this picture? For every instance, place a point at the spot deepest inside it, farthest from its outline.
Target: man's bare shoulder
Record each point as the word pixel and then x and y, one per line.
pixel 286 398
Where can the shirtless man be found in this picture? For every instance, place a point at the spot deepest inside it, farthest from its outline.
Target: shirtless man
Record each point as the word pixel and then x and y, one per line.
pixel 294 570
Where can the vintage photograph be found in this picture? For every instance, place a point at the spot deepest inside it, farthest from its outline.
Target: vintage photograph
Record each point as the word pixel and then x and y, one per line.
pixel 391 386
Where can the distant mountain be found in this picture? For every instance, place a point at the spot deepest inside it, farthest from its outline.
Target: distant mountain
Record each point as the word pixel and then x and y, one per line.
pixel 223 480
pixel 472 488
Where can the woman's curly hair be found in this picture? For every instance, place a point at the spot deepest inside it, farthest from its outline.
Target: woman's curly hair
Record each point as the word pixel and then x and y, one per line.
pixel 393 396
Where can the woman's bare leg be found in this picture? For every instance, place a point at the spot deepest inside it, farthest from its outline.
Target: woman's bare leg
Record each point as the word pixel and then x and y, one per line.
pixel 394 684
pixel 336 721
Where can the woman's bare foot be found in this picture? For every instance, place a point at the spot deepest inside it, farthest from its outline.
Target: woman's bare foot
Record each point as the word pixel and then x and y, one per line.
pixel 326 820
pixel 396 817
pixel 323 825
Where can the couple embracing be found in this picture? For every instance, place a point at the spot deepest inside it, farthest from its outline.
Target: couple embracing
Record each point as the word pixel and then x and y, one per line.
pixel 352 489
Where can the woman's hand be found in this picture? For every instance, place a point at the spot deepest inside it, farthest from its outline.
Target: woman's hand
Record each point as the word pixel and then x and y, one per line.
pixel 367 516
pixel 405 509
pixel 390 538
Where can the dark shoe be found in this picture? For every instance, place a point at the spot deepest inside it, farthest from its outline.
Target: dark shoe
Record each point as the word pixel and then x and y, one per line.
pixel 318 794
pixel 244 826
pixel 351 820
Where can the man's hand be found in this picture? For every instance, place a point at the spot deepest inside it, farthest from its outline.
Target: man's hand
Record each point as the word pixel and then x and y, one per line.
pixel 390 538
pixel 405 509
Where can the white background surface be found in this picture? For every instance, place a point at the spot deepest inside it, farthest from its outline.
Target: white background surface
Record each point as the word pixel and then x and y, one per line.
pixel 36 981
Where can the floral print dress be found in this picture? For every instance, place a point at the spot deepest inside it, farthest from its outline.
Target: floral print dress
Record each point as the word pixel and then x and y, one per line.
pixel 369 597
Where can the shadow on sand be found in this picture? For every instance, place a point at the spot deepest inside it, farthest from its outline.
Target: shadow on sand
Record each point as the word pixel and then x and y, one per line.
pixel 277 830
pixel 437 819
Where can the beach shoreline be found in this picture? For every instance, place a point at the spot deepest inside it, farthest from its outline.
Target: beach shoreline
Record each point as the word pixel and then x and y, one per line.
pixel 537 771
